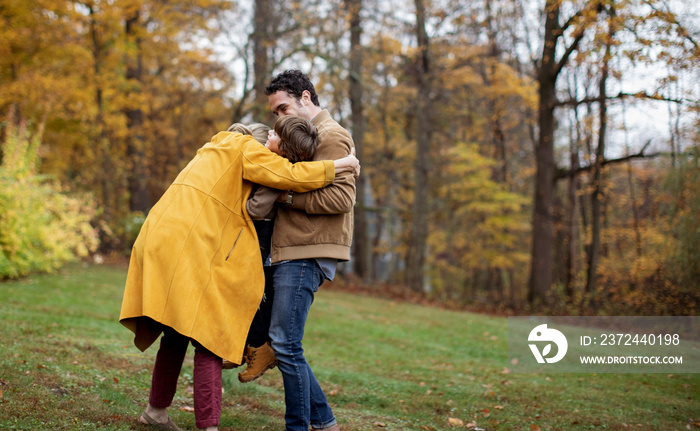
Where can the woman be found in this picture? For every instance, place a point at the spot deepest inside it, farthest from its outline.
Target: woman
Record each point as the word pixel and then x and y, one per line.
pixel 195 272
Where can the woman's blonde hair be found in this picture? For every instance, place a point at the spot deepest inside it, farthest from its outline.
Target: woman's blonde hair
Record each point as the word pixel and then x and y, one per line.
pixel 256 130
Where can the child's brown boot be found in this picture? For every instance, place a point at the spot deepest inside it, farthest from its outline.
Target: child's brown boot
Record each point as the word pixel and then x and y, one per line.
pixel 259 360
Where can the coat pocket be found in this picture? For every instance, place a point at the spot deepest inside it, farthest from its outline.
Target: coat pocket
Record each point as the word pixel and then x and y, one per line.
pixel 234 244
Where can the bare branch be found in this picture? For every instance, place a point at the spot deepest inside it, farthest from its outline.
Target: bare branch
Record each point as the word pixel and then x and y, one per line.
pixel 574 45
pixel 590 5
pixel 578 33
pixel 641 95
pixel 563 173
pixel 671 18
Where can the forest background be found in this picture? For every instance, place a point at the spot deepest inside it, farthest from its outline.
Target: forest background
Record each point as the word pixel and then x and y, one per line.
pixel 517 155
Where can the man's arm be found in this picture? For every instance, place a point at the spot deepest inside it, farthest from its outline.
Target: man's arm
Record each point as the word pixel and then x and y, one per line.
pixel 339 196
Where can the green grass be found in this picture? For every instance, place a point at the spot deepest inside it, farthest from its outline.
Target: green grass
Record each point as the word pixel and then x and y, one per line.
pixel 66 364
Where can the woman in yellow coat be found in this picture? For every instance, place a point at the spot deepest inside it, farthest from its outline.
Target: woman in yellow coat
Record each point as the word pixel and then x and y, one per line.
pixel 195 272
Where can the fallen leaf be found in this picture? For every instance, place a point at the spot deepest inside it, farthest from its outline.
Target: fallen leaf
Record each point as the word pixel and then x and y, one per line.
pixel 455 422
pixel 534 427
pixel 0 394
pixel 498 407
pixel 471 424
pixel 333 392
pixel 116 380
pixel 486 412
pixel 379 424
pixel 514 361
pixel 187 409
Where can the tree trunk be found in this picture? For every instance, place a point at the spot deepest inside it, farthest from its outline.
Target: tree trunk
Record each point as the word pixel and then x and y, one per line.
pixel 106 177
pixel 262 37
pixel 540 283
pixel 597 195
pixel 137 174
pixel 361 242
pixel 500 171
pixel 419 228
pixel 571 227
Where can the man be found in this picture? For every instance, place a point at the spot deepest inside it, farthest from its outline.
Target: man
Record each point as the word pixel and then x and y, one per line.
pixel 313 231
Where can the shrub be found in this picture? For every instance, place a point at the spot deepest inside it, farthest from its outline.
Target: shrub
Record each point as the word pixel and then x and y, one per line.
pixel 41 226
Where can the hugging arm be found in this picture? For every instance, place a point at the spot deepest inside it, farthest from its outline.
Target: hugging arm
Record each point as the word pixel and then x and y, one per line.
pixel 339 196
pixel 262 202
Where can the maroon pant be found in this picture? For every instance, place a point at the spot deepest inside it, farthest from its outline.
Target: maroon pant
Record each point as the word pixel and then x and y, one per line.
pixel 206 378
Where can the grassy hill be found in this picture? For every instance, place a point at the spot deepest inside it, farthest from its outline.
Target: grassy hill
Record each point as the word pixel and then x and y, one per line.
pixel 66 364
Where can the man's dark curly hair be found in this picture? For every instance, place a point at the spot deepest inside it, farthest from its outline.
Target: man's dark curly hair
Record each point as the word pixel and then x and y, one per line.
pixel 294 82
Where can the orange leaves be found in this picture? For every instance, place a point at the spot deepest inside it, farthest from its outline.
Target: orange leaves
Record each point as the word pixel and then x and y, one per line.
pixel 455 422
pixel 472 422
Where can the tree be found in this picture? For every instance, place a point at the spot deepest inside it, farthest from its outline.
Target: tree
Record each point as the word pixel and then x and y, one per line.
pixel 363 251
pixel 422 164
pixel 549 68
pixel 597 180
pixel 139 200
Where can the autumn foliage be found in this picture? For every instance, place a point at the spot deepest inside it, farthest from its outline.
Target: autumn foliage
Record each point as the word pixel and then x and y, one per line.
pixel 506 165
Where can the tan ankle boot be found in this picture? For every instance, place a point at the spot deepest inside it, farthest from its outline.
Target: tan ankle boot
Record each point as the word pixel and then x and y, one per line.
pixel 259 360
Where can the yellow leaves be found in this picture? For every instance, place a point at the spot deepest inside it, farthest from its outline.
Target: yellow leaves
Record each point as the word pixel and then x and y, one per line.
pixel 486 224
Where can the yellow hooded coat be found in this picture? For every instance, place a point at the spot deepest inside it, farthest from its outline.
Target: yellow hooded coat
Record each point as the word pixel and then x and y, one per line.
pixel 196 264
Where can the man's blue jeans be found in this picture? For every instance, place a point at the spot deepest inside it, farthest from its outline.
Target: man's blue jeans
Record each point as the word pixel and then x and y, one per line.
pixel 295 283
